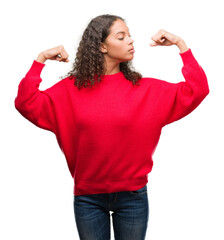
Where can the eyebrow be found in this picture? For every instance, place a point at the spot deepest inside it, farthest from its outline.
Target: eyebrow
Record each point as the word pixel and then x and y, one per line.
pixel 121 32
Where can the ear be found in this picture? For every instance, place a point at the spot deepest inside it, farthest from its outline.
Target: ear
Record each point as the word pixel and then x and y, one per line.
pixel 103 48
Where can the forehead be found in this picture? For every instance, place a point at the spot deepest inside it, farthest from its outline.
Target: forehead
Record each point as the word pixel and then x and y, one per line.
pixel 118 26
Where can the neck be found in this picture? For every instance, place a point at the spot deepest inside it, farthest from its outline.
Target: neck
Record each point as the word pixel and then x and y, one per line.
pixel 111 67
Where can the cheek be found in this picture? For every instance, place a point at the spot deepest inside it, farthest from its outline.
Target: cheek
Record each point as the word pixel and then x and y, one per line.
pixel 117 50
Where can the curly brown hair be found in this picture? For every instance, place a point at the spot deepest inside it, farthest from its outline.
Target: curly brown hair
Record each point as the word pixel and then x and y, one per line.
pixel 89 62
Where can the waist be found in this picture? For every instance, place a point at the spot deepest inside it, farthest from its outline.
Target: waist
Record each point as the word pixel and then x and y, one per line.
pixel 109 186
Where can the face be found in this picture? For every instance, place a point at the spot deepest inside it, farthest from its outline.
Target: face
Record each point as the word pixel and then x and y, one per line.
pixel 118 46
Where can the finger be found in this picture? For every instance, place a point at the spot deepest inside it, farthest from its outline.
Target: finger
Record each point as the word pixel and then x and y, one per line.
pixel 58 57
pixel 159 36
pixel 64 55
pixel 163 39
pixel 62 59
pixel 153 44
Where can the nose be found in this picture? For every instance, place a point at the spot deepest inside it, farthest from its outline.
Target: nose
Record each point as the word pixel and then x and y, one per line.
pixel 130 40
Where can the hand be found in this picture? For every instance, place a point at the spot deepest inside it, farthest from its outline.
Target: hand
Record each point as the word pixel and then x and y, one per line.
pixel 164 38
pixel 57 53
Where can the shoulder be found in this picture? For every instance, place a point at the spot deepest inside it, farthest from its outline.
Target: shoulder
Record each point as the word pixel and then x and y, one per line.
pixel 61 87
pixel 155 82
pixel 159 87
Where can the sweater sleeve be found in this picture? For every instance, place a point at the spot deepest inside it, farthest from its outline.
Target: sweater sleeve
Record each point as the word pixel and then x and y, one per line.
pixel 184 97
pixel 33 104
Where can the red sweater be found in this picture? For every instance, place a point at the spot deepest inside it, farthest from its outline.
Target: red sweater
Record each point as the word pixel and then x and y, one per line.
pixel 108 133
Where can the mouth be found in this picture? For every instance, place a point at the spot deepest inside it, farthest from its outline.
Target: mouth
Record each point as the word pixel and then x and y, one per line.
pixel 132 50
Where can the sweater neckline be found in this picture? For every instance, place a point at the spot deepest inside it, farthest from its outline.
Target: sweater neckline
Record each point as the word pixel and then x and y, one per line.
pixel 114 76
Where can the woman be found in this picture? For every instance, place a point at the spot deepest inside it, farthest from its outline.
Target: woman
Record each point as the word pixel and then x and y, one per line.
pixel 108 120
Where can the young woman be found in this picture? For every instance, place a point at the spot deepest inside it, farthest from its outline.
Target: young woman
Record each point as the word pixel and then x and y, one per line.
pixel 108 120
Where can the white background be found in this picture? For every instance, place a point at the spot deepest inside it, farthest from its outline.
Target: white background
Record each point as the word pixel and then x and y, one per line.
pixel 186 184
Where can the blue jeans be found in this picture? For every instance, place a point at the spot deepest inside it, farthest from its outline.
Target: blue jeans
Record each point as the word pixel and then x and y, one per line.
pixel 130 215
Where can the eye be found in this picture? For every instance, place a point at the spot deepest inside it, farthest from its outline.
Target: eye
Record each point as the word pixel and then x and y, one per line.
pixel 120 38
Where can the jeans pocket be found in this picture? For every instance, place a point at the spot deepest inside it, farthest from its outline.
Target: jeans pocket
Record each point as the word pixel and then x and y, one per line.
pixel 140 191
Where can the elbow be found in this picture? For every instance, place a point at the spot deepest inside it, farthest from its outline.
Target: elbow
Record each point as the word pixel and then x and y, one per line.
pixel 19 105
pixel 206 91
pixel 203 93
pixel 205 88
pixel 16 103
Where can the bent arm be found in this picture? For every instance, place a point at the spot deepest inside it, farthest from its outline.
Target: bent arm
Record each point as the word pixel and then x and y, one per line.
pixel 186 96
pixel 33 104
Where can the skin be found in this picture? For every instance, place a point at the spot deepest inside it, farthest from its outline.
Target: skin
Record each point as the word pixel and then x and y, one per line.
pixel 118 47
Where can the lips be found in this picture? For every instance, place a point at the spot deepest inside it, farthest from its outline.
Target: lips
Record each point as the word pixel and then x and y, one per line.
pixel 132 50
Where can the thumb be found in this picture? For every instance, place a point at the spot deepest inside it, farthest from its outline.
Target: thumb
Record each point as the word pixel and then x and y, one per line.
pixel 153 44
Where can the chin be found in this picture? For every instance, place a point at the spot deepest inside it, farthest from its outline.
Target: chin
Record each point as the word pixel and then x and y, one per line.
pixel 128 59
pixel 131 58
